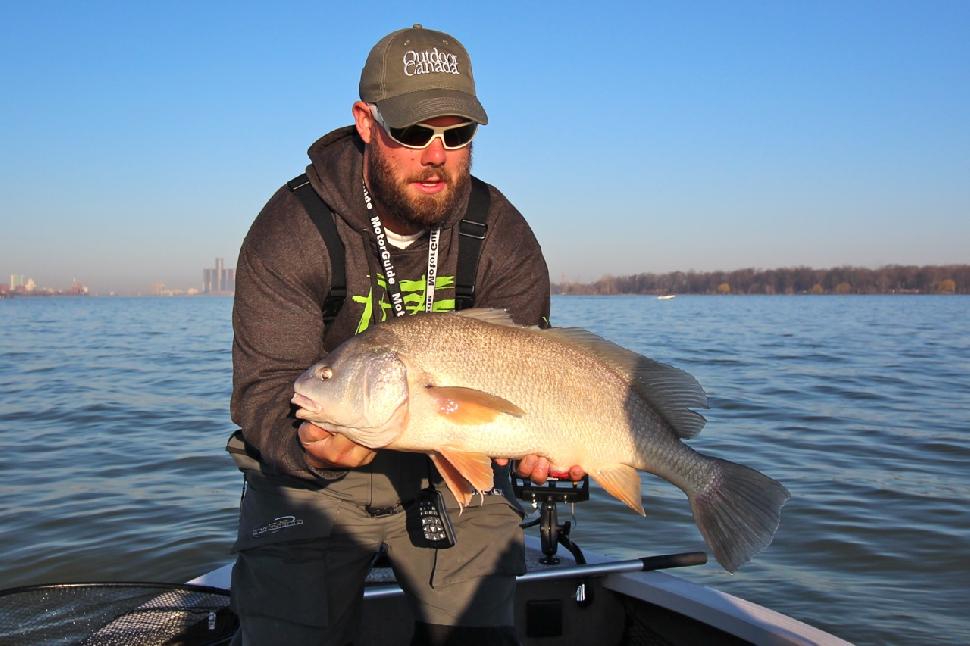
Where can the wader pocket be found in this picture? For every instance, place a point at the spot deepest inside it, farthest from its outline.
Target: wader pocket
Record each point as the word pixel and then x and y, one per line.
pixel 489 541
pixel 283 581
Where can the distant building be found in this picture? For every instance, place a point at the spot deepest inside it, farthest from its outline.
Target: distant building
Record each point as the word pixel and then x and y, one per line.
pixel 208 282
pixel 78 288
pixel 27 286
pixel 219 279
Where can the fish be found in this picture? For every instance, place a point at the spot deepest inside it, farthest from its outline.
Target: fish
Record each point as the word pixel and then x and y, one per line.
pixel 466 387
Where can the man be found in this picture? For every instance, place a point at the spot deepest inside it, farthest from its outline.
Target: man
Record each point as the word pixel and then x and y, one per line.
pixel 317 507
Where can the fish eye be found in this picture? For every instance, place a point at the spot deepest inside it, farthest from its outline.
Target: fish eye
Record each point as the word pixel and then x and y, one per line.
pixel 324 373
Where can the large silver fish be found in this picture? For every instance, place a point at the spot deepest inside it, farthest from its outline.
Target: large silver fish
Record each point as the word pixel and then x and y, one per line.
pixel 469 386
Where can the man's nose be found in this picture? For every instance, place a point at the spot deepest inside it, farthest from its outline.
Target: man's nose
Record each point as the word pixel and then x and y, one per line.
pixel 434 153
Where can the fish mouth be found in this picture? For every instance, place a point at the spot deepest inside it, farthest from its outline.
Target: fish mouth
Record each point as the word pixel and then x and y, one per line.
pixel 303 402
pixel 307 409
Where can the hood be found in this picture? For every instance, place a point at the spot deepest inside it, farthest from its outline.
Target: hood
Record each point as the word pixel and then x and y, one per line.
pixel 335 171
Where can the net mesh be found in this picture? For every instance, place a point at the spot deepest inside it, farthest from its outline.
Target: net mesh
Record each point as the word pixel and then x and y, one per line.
pixel 115 613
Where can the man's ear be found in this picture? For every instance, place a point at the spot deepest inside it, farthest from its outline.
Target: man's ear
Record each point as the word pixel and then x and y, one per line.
pixel 364 121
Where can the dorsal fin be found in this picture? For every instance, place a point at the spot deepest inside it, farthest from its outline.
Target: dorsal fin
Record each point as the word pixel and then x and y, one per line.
pixel 492 315
pixel 670 391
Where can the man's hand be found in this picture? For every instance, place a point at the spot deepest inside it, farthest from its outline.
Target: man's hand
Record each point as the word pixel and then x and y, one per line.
pixel 536 469
pixel 326 450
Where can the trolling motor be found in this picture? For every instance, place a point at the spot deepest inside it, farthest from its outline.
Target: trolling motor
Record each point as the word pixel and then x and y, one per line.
pixel 545 497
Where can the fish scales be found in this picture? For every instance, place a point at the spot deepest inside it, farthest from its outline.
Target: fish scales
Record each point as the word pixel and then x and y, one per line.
pixel 566 432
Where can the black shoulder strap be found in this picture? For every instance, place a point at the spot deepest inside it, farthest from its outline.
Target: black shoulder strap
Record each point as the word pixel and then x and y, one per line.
pixel 471 232
pixel 322 216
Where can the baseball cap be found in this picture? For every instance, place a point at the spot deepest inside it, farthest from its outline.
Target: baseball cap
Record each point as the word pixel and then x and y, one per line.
pixel 417 74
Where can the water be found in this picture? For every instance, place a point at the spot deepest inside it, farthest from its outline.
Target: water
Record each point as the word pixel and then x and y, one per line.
pixel 114 414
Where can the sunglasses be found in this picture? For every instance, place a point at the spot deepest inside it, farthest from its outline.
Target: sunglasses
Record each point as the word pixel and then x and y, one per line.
pixel 420 135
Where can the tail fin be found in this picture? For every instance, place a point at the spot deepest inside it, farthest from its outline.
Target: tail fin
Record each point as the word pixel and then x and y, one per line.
pixel 738 512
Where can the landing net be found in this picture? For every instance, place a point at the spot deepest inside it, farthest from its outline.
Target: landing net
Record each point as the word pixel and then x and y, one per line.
pixel 116 613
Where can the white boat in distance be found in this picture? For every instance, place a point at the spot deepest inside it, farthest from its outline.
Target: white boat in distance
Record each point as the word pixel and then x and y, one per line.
pixel 666 297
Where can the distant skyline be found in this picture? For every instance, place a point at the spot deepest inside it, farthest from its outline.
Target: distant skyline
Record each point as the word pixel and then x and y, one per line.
pixel 140 141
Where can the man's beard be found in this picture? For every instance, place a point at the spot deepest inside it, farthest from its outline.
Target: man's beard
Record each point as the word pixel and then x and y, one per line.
pixel 422 210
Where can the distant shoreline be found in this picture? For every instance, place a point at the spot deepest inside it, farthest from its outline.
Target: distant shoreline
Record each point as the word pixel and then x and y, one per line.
pixel 12 295
pixel 888 280
pixel 656 296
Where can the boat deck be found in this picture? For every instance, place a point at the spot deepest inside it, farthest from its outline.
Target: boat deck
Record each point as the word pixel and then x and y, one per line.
pixel 629 608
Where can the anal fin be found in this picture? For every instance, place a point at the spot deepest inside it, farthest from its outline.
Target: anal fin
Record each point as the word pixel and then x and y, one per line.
pixel 621 482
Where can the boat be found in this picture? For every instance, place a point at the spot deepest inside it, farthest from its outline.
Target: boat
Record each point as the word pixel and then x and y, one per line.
pixel 666 297
pixel 564 598
pixel 608 602
pixel 576 598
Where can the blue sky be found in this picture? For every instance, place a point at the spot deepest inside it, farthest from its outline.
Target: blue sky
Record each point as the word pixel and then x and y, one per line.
pixel 140 139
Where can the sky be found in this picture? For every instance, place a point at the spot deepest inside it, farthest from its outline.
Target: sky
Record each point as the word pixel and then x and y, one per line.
pixel 138 140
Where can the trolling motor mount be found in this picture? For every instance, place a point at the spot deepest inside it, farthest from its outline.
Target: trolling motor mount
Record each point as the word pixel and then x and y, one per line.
pixel 545 497
pixel 552 534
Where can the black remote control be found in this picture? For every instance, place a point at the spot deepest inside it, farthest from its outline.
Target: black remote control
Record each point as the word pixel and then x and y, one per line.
pixel 431 522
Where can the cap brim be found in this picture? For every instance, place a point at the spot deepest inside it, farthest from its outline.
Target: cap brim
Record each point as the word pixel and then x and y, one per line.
pixel 408 109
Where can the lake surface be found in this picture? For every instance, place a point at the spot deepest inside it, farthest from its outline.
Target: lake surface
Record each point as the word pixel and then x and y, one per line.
pixel 114 415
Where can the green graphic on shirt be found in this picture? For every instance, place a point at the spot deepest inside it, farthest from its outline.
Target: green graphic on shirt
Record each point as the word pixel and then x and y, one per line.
pixel 413 292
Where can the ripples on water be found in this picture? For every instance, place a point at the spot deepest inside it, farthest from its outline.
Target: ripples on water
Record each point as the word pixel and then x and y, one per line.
pixel 114 414
pixel 113 418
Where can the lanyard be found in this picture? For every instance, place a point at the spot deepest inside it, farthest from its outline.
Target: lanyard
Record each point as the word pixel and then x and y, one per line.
pixel 390 275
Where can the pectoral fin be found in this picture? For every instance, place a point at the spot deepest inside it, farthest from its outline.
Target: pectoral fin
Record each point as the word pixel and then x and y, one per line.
pixel 622 482
pixel 469 406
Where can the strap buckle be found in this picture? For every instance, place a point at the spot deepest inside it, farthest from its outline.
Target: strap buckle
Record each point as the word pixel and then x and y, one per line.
pixel 377 512
pixel 472 229
pixel 298 182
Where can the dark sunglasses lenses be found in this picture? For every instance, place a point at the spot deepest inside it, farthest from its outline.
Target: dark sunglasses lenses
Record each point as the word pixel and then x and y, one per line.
pixel 457 137
pixel 420 136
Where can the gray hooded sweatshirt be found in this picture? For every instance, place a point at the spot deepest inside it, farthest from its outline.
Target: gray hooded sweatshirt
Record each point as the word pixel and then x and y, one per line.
pixel 283 278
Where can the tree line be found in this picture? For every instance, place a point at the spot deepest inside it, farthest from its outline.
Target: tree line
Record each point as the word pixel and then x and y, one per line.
pixel 891 279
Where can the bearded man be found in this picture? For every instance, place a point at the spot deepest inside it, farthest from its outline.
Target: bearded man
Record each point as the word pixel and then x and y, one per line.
pixel 317 507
